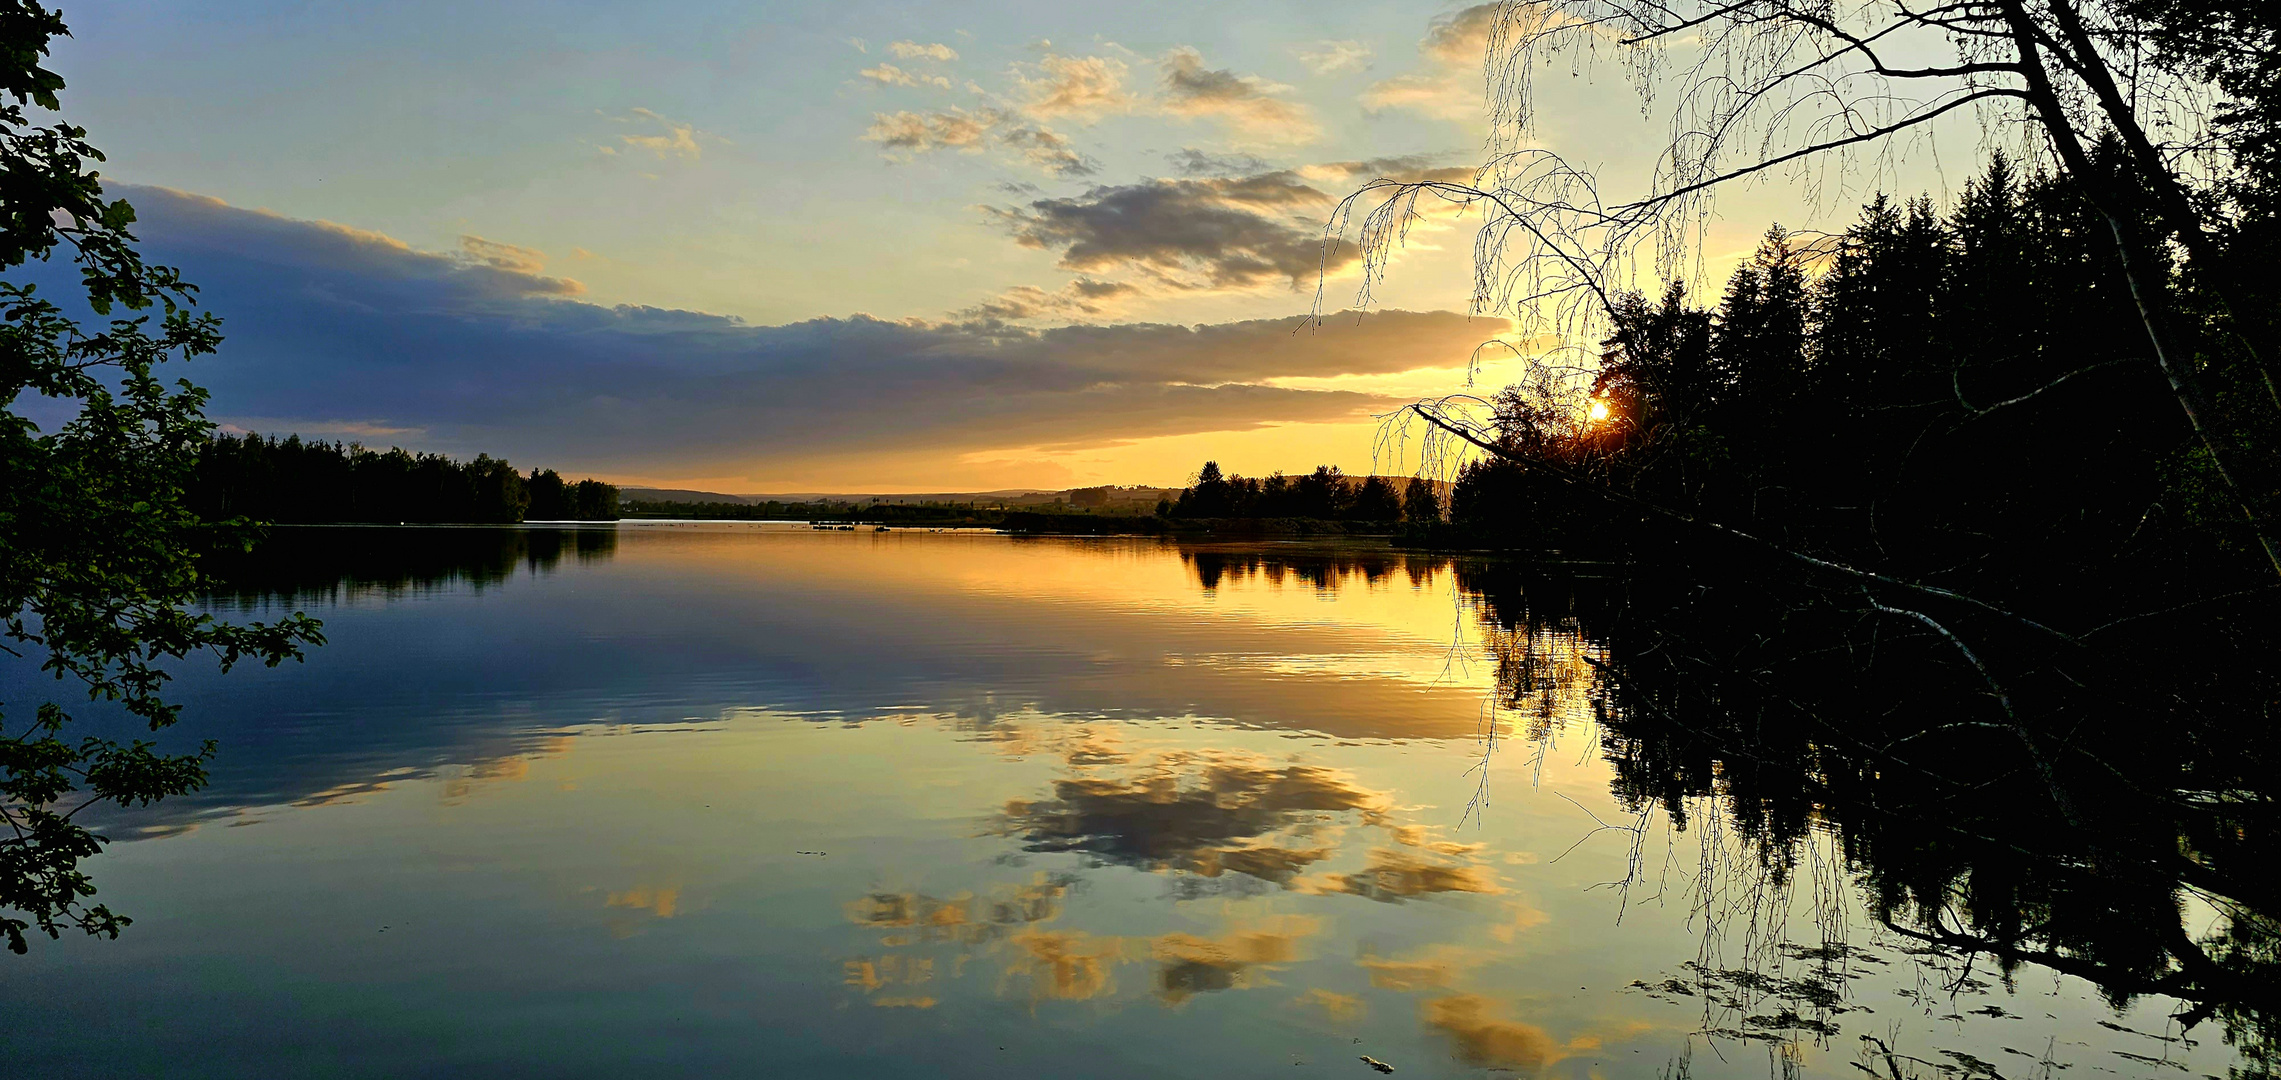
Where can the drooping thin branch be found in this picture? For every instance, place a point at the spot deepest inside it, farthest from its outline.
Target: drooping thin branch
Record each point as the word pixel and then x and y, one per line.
pixel 1956 380
pixel 1821 148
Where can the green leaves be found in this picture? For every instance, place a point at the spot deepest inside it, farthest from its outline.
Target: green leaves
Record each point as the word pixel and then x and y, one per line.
pixel 99 548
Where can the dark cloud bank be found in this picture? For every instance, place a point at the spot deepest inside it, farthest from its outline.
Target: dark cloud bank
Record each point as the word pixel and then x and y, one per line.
pixel 479 350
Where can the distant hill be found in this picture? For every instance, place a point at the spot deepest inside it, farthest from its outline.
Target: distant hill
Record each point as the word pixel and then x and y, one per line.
pixel 1097 497
pixel 1007 497
pixel 677 495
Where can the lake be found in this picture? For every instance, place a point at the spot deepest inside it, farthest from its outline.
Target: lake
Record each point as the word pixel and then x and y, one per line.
pixel 674 799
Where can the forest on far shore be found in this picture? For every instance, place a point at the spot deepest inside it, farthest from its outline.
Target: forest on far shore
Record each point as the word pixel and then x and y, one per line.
pixel 289 481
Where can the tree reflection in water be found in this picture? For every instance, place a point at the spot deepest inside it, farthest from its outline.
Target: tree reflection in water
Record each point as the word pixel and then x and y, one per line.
pixel 2098 806
pixel 2098 802
pixel 304 565
pixel 2079 803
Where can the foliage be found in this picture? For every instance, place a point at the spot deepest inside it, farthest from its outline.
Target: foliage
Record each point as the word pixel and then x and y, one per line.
pixel 1921 552
pixel 1956 532
pixel 1376 500
pixel 1326 494
pixel 1954 396
pixel 555 499
pixel 99 550
pixel 2159 116
pixel 291 481
pixel 1421 504
pixel 924 513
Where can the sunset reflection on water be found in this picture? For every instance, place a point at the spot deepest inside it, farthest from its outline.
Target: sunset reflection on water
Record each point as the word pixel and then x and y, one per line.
pixel 913 803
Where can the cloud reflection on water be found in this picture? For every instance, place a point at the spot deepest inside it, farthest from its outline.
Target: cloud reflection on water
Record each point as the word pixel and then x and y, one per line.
pixel 1201 813
pixel 655 625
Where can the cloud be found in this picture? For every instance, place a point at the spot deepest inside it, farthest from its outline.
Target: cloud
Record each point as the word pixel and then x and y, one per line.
pixel 1397 874
pixel 1408 168
pixel 663 902
pixel 1229 233
pixel 873 974
pixel 911 134
pixel 1486 1041
pixel 915 918
pixel 1067 965
pixel 912 50
pixel 1340 1009
pixel 1080 87
pixel 1046 149
pixel 491 354
pixel 1201 814
pixel 1234 232
pixel 499 256
pixel 1437 969
pixel 1449 82
pixel 921 133
pixel 886 74
pixel 334 428
pixel 1189 161
pixel 678 141
pixel 1197 965
pixel 1460 38
pixel 1009 923
pixel 483 272
pixel 1333 57
pixel 1246 103
pixel 1082 298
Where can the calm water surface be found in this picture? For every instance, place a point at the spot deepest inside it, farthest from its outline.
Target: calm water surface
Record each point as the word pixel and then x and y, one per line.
pixel 715 800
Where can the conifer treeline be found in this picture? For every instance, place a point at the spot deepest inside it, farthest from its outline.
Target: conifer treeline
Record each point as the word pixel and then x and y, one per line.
pixel 1923 555
pixel 1325 494
pixel 289 481
pixel 1927 392
pixel 1933 393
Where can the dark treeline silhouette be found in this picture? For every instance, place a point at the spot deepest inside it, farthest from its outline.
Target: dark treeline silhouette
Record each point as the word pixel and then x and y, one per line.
pixel 1923 550
pixel 1924 391
pixel 289 481
pixel 1324 495
pixel 932 513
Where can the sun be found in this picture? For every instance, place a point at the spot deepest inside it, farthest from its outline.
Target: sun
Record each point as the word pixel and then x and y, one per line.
pixel 1598 411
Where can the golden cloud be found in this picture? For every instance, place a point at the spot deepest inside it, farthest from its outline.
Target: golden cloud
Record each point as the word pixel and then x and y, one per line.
pixel 664 902
pixel 1336 1007
pixel 1437 969
pixel 886 74
pixel 1486 1041
pixel 1067 965
pixel 1395 875
pixel 678 141
pixel 1206 814
pixel 1248 104
pixel 1081 87
pixel 1450 83
pixel 1194 965
pixel 912 50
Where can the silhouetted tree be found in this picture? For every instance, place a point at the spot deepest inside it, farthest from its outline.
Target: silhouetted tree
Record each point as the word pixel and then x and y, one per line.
pixel 1323 493
pixel 1421 504
pixel 1376 500
pixel 294 482
pixel 100 552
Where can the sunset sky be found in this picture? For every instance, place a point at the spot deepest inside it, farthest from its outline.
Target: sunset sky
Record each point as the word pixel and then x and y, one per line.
pixel 762 247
